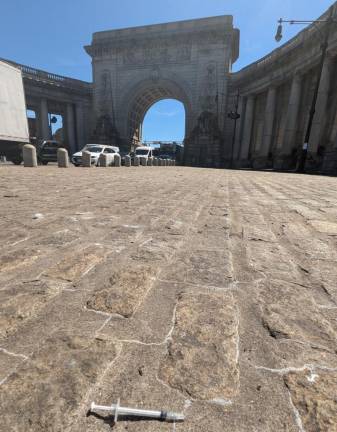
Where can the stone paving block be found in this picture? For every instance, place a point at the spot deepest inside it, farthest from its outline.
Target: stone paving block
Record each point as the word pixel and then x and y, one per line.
pixel 201 267
pixel 123 290
pixel 313 394
pixel 326 227
pixel 8 364
pixel 202 356
pixel 153 320
pixel 22 302
pixel 77 264
pixel 292 320
pixel 45 391
pixel 18 258
pixel 65 312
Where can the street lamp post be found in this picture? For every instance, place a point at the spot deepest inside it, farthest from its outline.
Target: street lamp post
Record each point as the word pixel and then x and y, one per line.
pixel 324 47
pixel 234 115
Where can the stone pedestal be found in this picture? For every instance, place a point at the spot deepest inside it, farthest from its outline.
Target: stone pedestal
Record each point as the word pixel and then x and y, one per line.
pixel 149 162
pixel 155 162
pixel 143 161
pixel 86 159
pixel 136 161
pixel 62 158
pixel 103 160
pixel 127 161
pixel 29 156
pixel 118 160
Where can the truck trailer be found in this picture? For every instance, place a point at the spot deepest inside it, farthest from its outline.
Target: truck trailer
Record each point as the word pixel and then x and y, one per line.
pixel 14 131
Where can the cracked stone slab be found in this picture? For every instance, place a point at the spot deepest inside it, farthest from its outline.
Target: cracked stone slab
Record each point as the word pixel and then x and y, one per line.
pixel 313 394
pixel 202 356
pixel 303 332
pixel 44 393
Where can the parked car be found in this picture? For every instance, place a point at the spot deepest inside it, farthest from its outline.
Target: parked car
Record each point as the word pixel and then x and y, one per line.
pixel 95 152
pixel 47 151
pixel 144 152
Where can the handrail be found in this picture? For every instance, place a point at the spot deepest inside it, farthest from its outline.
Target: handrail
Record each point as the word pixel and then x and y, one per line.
pixel 38 74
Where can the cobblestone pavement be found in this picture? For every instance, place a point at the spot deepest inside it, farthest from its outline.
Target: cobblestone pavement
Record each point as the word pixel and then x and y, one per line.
pixel 207 292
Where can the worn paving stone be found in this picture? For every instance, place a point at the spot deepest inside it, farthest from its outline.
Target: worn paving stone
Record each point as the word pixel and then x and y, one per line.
pixel 123 290
pixel 215 296
pixel 313 394
pixel 202 356
pixel 48 388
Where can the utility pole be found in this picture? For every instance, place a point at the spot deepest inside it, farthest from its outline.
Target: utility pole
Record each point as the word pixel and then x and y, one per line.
pixel 324 47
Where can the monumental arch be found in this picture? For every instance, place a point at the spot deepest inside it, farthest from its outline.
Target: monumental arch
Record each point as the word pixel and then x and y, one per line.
pixel 134 68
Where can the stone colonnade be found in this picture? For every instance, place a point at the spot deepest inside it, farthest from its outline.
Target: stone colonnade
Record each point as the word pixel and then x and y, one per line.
pixel 275 102
pixel 280 150
pixel 73 119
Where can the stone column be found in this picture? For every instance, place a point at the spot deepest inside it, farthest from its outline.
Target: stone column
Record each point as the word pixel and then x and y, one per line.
pixel 71 128
pixel 237 144
pixel 44 121
pixel 247 131
pixel 292 114
pixel 268 125
pixel 329 165
pixel 320 113
pixel 79 111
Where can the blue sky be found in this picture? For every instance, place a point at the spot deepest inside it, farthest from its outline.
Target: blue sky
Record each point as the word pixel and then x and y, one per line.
pixel 50 35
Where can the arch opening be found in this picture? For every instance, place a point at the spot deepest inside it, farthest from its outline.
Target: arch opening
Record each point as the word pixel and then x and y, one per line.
pixel 164 121
pixel 144 99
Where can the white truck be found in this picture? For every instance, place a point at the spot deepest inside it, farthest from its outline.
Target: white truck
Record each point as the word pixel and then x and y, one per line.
pixel 14 132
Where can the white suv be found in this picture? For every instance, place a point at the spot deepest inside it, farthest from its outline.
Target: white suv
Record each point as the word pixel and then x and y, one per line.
pixel 95 152
pixel 144 151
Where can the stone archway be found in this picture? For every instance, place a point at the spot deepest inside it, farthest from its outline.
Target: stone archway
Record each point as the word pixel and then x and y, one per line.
pixel 189 61
pixel 145 94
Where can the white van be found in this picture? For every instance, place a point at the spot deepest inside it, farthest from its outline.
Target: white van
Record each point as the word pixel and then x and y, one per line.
pixel 144 151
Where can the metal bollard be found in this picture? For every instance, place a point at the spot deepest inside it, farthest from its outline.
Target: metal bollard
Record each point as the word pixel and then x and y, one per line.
pixel 62 158
pixel 127 161
pixel 136 161
pixel 86 159
pixel 117 160
pixel 29 156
